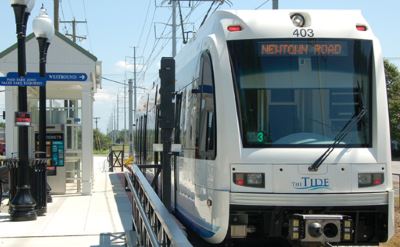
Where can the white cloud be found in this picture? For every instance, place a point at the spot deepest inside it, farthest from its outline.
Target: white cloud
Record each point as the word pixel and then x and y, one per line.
pixel 103 96
pixel 129 66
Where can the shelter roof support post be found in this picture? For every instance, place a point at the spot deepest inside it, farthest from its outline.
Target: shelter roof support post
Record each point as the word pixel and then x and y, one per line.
pixel 87 139
pixel 11 99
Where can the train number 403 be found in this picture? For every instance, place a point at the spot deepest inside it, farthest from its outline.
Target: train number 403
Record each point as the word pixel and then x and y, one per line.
pixel 303 33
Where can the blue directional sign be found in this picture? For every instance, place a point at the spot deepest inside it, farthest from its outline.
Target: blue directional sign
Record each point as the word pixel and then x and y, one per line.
pixel 67 76
pixel 55 76
pixel 31 79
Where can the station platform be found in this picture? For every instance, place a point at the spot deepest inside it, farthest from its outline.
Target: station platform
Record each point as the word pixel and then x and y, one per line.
pixel 100 219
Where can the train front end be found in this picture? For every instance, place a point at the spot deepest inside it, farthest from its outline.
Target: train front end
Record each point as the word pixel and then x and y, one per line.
pixel 313 162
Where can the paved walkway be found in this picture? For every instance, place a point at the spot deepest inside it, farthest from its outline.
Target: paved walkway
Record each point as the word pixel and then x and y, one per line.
pixel 74 220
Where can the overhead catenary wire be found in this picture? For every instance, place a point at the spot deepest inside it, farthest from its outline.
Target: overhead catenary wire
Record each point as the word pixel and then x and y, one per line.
pixel 154 52
pixel 121 83
pixel 149 32
pixel 144 23
pixel 208 12
pixel 63 16
pixel 87 25
pixel 118 82
pixel 262 4
pixel 71 9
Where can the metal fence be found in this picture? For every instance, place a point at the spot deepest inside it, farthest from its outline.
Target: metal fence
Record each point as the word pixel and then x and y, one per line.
pixel 154 225
pixel 38 180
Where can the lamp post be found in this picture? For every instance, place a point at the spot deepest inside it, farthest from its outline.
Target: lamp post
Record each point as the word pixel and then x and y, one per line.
pixel 44 32
pixel 22 206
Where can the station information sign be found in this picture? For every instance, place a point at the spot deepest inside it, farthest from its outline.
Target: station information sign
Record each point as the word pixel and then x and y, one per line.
pixel 23 119
pixel 54 148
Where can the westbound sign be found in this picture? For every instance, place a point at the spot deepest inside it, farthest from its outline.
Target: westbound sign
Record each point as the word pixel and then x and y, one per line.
pixel 66 76
pixel 34 79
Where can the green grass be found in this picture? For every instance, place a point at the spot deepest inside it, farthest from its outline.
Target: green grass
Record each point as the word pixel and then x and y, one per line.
pixel 102 152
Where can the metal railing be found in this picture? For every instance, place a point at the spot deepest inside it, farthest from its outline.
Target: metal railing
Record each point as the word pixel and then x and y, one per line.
pixel 116 157
pixel 154 225
pixel 38 180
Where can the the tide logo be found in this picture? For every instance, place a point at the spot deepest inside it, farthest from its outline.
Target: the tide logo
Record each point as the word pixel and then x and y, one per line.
pixel 308 183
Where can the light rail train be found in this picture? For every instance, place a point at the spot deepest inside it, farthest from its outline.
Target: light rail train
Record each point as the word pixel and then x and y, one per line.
pixel 283 122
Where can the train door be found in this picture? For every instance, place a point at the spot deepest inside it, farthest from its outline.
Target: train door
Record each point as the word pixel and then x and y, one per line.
pixel 177 130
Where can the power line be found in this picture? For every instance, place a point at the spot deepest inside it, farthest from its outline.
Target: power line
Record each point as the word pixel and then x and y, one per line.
pixel 70 7
pixel 144 24
pixel 118 82
pixel 121 83
pixel 148 33
pixel 63 16
pixel 262 4
pixel 87 25
pixel 208 11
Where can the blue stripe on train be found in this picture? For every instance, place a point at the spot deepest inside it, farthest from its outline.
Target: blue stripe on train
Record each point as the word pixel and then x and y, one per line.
pixel 202 228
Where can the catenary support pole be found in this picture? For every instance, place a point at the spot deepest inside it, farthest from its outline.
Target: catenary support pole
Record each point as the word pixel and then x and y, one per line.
pixel 275 4
pixel 130 89
pixel 167 90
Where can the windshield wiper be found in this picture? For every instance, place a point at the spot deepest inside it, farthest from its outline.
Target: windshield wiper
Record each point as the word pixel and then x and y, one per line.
pixel 339 137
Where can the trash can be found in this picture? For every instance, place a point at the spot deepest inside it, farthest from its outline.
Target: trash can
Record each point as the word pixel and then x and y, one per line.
pixel 39 184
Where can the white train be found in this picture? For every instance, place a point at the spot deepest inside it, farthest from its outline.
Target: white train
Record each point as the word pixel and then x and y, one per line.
pixel 283 123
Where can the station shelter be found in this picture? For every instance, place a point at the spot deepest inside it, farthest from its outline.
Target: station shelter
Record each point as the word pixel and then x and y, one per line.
pixel 74 75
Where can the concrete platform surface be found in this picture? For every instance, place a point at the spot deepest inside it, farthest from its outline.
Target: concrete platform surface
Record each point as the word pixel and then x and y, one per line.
pixel 99 219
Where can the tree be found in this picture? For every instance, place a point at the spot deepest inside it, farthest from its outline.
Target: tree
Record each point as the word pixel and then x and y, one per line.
pixel 100 140
pixel 393 93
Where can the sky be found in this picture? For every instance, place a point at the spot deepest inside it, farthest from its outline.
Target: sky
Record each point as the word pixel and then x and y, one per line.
pixel 114 27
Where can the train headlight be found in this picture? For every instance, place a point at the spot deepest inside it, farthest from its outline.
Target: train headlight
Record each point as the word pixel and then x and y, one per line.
pixel 347 229
pixel 370 179
pixel 296 228
pixel 249 179
pixel 298 20
pixel 320 228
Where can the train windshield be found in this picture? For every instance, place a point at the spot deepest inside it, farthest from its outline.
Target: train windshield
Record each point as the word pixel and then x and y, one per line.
pixel 299 92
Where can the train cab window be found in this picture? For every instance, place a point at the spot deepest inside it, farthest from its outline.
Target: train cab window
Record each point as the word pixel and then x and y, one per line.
pixel 206 128
pixel 299 92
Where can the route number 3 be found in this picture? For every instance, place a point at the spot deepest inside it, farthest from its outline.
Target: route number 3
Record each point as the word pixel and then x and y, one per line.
pixel 303 33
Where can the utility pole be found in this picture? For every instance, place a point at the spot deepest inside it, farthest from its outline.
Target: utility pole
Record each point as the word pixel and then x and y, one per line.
pixel 96 119
pixel 173 28
pixel 114 124
pixel 275 4
pixel 56 14
pixel 134 80
pixel 117 112
pixel 73 35
pixel 125 110
pixel 130 87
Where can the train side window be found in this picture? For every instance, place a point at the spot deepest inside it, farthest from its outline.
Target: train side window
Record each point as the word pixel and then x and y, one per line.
pixel 206 132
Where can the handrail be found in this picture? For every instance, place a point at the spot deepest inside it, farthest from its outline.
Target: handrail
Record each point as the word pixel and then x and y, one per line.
pixel 153 222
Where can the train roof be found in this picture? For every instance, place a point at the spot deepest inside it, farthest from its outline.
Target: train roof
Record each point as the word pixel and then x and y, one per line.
pixel 278 24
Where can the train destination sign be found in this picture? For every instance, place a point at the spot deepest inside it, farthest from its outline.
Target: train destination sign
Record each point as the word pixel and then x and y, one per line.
pixel 320 48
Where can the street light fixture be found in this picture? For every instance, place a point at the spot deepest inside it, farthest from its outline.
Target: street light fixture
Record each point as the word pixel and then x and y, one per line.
pixel 22 205
pixel 44 31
